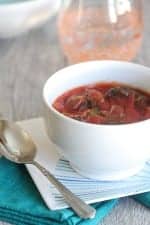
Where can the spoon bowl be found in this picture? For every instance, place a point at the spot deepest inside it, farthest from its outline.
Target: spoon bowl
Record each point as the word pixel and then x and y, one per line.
pixel 16 143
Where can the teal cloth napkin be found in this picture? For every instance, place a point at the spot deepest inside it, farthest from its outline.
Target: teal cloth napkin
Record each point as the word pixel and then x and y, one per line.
pixel 21 203
pixel 143 199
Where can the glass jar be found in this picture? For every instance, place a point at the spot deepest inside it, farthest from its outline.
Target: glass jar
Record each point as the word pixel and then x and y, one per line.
pixel 100 29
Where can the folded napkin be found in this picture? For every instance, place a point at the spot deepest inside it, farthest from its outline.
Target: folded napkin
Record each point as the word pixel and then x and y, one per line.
pixel 21 203
pixel 143 199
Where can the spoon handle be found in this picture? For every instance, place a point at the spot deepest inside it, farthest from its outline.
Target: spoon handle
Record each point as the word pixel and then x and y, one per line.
pixel 82 209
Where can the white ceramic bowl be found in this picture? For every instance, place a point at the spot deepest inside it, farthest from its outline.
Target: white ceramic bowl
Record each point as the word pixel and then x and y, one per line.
pixel 106 152
pixel 17 17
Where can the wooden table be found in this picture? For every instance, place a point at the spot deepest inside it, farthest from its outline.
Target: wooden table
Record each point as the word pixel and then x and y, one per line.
pixel 25 64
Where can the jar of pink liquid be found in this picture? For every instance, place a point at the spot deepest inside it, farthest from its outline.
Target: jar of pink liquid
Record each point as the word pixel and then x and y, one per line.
pixel 100 29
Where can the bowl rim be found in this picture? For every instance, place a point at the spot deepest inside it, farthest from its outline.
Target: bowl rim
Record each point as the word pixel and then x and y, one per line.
pixel 82 123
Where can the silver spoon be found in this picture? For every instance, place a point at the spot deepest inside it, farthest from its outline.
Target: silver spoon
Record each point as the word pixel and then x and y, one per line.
pixel 16 145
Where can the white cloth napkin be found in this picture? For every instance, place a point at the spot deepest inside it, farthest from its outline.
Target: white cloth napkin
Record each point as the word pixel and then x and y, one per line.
pixel 89 190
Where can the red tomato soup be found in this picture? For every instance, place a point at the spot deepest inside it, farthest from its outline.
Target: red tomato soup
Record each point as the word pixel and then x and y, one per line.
pixel 105 103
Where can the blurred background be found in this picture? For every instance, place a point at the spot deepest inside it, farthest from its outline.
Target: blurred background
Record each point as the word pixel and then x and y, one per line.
pixel 28 59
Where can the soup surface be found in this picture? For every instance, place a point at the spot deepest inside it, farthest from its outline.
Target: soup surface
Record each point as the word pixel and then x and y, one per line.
pixel 105 103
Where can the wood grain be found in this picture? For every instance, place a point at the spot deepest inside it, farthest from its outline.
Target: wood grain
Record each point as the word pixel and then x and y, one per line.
pixel 25 64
